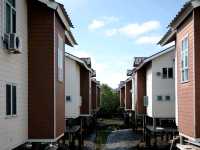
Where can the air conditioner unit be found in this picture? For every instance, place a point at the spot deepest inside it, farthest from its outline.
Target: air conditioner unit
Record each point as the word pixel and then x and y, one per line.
pixel 13 43
pixel 158 73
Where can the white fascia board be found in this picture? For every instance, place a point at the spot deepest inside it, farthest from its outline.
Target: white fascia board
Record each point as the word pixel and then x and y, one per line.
pixel 50 4
pixel 78 60
pixel 69 38
pixel 156 56
pixel 62 17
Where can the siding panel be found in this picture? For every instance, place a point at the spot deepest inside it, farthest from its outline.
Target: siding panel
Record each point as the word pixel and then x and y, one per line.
pixel 14 68
pixel 41 72
pixel 185 91
pixel 72 88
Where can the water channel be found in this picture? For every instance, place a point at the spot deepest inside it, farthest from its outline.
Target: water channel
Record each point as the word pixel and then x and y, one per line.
pixel 112 134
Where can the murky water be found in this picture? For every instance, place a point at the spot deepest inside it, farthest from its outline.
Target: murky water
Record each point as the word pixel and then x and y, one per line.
pixel 112 135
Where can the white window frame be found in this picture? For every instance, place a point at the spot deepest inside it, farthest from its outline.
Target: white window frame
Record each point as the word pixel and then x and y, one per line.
pixel 11 104
pixel 184 54
pixel 11 20
pixel 60 57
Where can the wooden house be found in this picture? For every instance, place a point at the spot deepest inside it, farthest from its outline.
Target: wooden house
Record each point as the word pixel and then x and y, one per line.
pixel 128 95
pixel 49 31
pixel 184 30
pixel 159 98
pixel 73 98
pixel 13 73
pixel 122 94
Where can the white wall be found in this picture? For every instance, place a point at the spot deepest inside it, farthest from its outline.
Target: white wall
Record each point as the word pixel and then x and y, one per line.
pixel 133 94
pixel 72 88
pixel 162 87
pixel 176 84
pixel 149 90
pixel 14 69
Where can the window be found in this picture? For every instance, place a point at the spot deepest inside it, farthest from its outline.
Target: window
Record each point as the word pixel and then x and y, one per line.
pixel 184 59
pixel 11 100
pixel 164 70
pixel 68 98
pixel 167 73
pixel 60 58
pixel 167 98
pixel 170 72
pixel 145 101
pixel 159 98
pixel 10 16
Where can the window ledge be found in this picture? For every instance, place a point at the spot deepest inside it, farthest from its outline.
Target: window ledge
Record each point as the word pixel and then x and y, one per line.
pixel 11 117
pixel 183 82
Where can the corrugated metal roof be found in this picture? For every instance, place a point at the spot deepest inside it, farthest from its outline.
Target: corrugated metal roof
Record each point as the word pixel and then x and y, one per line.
pixel 66 15
pixel 182 10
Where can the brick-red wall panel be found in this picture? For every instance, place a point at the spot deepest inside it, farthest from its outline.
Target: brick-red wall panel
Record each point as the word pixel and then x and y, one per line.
pixel 40 72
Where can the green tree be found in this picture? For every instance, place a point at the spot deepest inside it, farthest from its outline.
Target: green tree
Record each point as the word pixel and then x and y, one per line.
pixel 109 99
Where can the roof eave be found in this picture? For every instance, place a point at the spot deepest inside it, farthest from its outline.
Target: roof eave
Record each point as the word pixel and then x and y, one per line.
pixel 59 8
pixel 78 60
pixel 69 39
pixel 169 37
pixel 149 59
pixel 184 13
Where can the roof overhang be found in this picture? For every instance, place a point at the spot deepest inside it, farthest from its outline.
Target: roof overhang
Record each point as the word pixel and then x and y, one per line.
pixel 129 79
pixel 69 38
pixel 59 8
pixel 169 37
pixel 185 11
pixel 78 60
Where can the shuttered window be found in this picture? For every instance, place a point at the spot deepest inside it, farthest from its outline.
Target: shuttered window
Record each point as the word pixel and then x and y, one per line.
pixel 11 99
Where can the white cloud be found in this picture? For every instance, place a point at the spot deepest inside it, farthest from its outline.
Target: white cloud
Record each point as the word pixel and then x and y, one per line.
pixel 104 69
pixel 111 32
pixel 148 39
pixel 96 24
pixel 99 23
pixel 110 19
pixel 99 67
pixel 136 29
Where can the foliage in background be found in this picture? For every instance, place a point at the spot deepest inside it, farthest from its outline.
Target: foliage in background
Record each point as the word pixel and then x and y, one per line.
pixel 109 99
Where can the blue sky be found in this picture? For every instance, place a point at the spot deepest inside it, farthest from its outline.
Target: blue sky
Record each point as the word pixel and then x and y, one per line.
pixel 112 32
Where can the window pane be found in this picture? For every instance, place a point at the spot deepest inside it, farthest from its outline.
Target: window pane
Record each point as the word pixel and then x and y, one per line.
pixel 14 100
pixel 8 17
pixel 167 98
pixel 186 43
pixel 164 72
pixel 186 75
pixel 12 2
pixel 170 72
pixel 186 61
pixel 183 79
pixel 8 99
pixel 159 98
pixel 13 21
pixel 60 58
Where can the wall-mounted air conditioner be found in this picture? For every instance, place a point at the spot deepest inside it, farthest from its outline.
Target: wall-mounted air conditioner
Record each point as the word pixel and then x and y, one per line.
pixel 158 73
pixel 12 42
